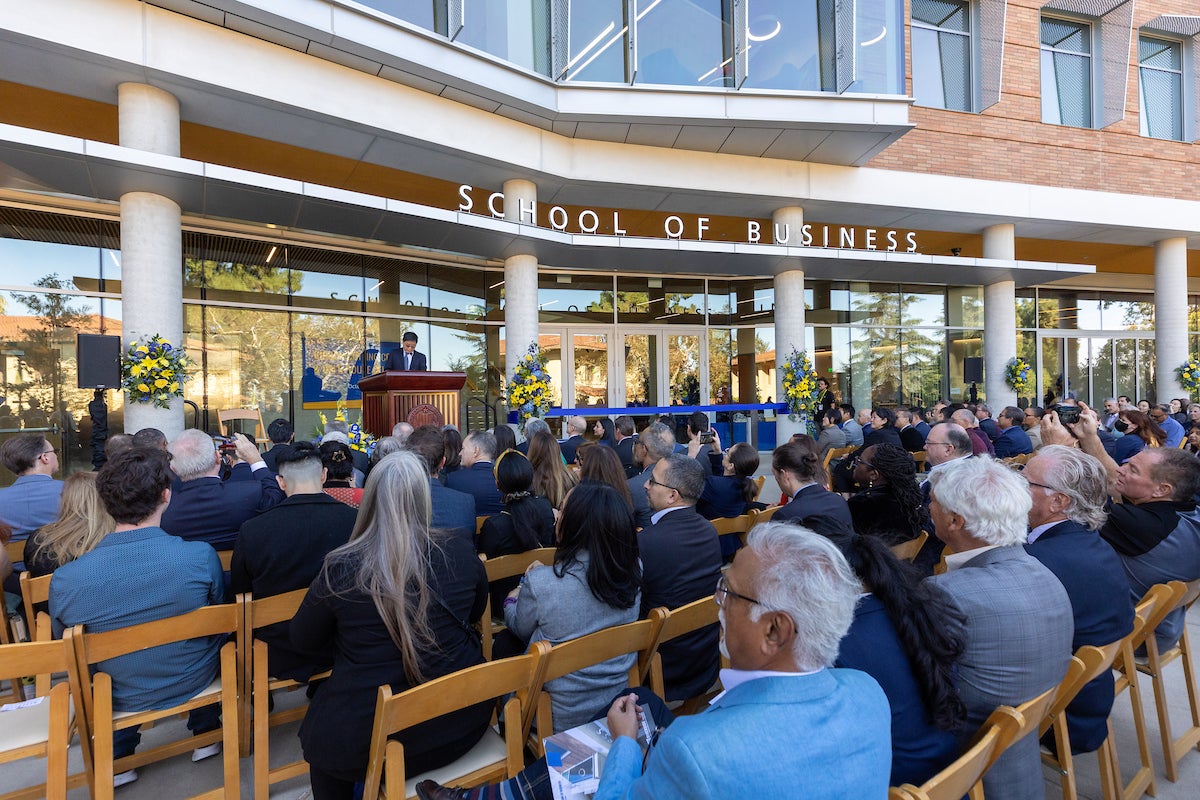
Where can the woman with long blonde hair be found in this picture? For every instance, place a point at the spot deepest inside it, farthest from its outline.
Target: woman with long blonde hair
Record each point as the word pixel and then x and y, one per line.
pixel 395 606
pixel 82 522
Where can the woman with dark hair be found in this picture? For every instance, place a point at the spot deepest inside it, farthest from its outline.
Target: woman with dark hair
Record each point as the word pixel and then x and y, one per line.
pixel 731 493
pixel 338 461
pixel 603 465
pixel 594 583
pixel 551 478
pixel 890 505
pixel 526 523
pixel 825 398
pixel 883 428
pixel 505 439
pixel 606 432
pixel 395 606
pixel 908 636
pixel 452 440
pixel 1139 432
pixel 1179 411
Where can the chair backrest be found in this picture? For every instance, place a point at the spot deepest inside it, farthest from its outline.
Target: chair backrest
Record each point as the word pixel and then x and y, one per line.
pixel 36 658
pixel 479 523
pixel 263 611
pixel 512 565
pixel 919 460
pixel 765 515
pixel 1031 714
pixel 16 551
pixel 227 415
pixel 725 525
pixel 907 551
pixel 837 452
pixel 1086 665
pixel 34 591
pixel 688 618
pixel 1158 601
pixel 758 484
pixel 956 780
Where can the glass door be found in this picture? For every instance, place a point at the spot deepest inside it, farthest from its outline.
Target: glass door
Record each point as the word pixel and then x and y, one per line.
pixel 1092 366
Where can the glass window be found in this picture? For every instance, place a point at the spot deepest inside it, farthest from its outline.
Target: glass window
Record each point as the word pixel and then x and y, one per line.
pixel 879 53
pixel 596 37
pixel 1066 72
pixel 457 293
pixel 721 349
pixel 941 54
pixel 641 369
pixel 784 45
pixel 658 300
pixel 922 305
pixel 683 354
pixel 591 369
pixel 575 298
pixel 327 354
pixel 684 42
pixel 1160 88
pixel 962 345
pixel 325 279
pixel 418 12
pixel 515 32
pixel 397 287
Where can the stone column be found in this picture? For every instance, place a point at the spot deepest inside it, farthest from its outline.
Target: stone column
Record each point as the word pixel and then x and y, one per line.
pixel 999 320
pixel 520 279
pixel 1170 316
pixel 789 309
pixel 151 246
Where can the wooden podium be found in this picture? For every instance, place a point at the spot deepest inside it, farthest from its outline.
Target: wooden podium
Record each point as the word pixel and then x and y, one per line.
pixel 418 398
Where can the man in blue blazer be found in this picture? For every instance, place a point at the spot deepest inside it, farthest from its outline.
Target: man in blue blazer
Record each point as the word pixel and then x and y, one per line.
pixel 452 510
pixel 1068 489
pixel 797 465
pixel 1012 439
pixel 786 602
pixel 475 476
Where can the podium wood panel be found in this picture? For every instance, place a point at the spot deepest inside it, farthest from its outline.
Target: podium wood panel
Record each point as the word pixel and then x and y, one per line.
pixel 419 398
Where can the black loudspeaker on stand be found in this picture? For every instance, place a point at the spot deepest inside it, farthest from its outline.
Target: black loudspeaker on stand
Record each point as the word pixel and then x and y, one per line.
pixel 99 360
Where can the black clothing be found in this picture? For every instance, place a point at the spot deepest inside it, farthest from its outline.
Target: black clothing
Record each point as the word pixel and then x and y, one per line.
pixel 876 512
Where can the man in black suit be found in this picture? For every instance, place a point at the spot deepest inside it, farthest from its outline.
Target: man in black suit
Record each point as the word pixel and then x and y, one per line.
pixel 475 477
pixel 910 438
pixel 655 443
pixel 452 510
pixel 406 359
pixel 626 438
pixel 205 508
pixel 574 430
pixel 700 440
pixel 283 548
pixel 797 465
pixel 681 562
pixel 281 433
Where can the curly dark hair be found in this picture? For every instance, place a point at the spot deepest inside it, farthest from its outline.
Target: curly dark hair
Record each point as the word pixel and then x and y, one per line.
pixel 131 484
pixel 896 467
pixel 338 460
pixel 597 520
pixel 931 629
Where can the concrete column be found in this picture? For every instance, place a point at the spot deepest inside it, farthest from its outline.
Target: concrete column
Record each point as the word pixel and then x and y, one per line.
pixel 1170 316
pixel 789 309
pixel 520 279
pixel 151 246
pixel 999 319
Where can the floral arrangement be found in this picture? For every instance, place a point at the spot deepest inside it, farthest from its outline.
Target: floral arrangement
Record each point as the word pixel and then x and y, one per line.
pixel 1017 376
pixel 529 386
pixel 152 371
pixel 359 439
pixel 800 388
pixel 1189 374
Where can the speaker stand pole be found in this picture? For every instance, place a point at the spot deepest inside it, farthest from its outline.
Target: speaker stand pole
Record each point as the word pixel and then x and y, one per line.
pixel 98 411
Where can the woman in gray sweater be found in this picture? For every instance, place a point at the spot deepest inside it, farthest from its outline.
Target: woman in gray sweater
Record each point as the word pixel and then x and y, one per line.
pixel 594 583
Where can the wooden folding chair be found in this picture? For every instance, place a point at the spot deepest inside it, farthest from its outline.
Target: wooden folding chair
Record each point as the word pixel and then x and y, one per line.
pixel 765 515
pixel 907 551
pixel 1086 665
pixel 34 592
pixel 1154 605
pixel 96 695
pixel 836 453
pixel 919 460
pixel 499 568
pixel 258 685
pixel 679 622
pixel 228 415
pixel 758 484
pixel 1174 748
pixel 496 756
pixel 226 559
pixel 8 630
pixel 479 523
pixel 639 637
pixel 740 525
pixel 42 730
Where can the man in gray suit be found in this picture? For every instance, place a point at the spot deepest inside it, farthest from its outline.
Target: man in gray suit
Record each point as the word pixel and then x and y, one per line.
pixel 655 443
pixel 1019 617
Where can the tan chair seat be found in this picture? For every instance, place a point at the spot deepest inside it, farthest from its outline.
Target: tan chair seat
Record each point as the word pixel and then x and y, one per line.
pixel 488 751
pixel 213 690
pixel 25 727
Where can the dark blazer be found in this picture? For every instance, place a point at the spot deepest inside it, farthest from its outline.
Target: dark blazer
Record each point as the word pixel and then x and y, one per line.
pixel 722 497
pixel 887 435
pixel 395 361
pixel 641 503
pixel 569 446
pixel 211 510
pixel 1013 441
pixel 452 510
pixel 281 550
pixel 912 440
pixel 1091 572
pixel 990 427
pixel 336 732
pixel 816 507
pixel 271 456
pixel 681 562
pixel 625 453
pixel 478 481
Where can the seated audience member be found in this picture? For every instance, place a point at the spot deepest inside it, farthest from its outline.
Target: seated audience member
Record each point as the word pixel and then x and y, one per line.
pixel 82 522
pixel 342 429
pixel 983 415
pixel 981 444
pixel 1012 439
pixel 1069 489
pixel 384 447
pixel 400 432
pixel 117 443
pixel 697 427
pixel 850 426
pixel 338 460
pixel 911 439
pixel 282 550
pixel 526 523
pixel 918 420
pixel 831 437
pixel 1154 527
pixel 605 432
pixel 594 583
pixel 1172 430
pixel 681 561
pixel 908 636
pixel 452 510
pixel 533 426
pixel 551 478
pixel 506 439
pixel 890 505
pixel 626 439
pixel 139 573
pixel 798 471
pixel 453 442
pixel 1019 620
pixel 883 428
pixel 474 476
pixel 394 606
pixel 1193 416
pixel 786 602
pixel 1138 432
pixel 656 442
pixel 150 437
pixel 203 507
pixel 574 430
pixel 358 475
pixel 731 493
pixel 281 433
pixel 1178 407
pixel 1032 424
pixel 601 465
pixel 32 500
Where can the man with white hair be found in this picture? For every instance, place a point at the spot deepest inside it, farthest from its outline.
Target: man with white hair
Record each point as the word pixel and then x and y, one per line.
pixel 207 509
pixel 980 443
pixel 655 443
pixel 401 431
pixel 1019 619
pixel 575 428
pixel 533 426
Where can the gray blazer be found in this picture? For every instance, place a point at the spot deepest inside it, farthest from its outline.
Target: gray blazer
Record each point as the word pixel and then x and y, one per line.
pixel 1019 629
pixel 641 503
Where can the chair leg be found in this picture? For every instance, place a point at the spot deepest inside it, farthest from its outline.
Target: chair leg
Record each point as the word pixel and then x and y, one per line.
pixel 262 740
pixel 1143 781
pixel 1110 770
pixel 1066 762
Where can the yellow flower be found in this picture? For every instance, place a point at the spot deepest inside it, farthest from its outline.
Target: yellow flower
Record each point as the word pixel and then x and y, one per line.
pixel 175 386
pixel 143 387
pixel 160 383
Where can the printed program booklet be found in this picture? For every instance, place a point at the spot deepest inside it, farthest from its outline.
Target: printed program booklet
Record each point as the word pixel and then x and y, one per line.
pixel 575 758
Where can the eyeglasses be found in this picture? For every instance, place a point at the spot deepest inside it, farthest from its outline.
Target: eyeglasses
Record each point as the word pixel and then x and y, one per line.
pixel 51 450
pixel 859 460
pixel 1040 485
pixel 723 593
pixel 665 486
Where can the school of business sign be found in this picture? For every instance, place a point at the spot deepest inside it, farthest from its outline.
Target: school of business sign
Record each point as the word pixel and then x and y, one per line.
pixel 675 227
